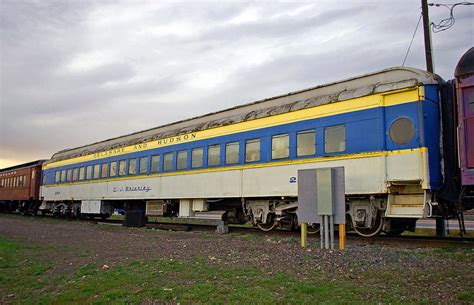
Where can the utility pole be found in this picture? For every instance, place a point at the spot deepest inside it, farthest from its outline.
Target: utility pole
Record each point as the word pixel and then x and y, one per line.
pixel 440 220
pixel 426 30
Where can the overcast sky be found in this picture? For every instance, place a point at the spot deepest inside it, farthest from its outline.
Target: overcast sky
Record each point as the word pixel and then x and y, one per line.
pixel 77 72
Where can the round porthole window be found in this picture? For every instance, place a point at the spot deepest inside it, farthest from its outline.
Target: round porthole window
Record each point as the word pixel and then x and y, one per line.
pixel 402 131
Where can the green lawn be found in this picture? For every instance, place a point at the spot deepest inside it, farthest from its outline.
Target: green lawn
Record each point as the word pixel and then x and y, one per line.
pixel 26 278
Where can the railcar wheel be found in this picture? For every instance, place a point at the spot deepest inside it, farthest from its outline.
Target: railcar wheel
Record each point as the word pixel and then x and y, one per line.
pixel 313 228
pixel 270 225
pixel 376 229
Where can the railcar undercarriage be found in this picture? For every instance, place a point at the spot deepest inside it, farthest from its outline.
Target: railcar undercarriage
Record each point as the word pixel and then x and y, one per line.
pixel 364 215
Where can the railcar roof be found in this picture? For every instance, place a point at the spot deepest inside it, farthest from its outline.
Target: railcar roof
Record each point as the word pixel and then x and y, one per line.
pixel 377 82
pixel 24 165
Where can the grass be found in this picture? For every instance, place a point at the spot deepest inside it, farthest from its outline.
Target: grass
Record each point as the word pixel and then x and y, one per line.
pixel 24 279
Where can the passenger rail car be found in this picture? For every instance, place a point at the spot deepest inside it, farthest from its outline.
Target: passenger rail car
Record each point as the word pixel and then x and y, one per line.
pixel 20 186
pixel 384 128
pixel 465 100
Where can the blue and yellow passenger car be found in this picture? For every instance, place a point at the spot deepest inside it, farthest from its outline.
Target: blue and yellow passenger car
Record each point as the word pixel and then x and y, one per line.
pixel 383 128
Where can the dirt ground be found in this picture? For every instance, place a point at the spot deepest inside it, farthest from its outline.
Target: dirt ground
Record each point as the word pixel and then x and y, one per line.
pixel 430 273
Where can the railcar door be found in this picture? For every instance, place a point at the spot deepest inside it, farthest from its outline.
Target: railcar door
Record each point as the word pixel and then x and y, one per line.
pixel 468 99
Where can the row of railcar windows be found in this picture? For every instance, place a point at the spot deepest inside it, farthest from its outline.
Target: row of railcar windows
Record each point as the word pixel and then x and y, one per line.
pixel 306 146
pixel 17 181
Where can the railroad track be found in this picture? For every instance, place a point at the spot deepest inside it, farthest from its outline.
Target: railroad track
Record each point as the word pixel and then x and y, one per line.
pixel 432 241
pixel 386 239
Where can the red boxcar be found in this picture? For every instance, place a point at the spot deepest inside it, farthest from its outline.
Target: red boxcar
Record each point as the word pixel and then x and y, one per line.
pixel 19 187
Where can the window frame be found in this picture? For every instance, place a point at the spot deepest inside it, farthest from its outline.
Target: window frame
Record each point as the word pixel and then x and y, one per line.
pixel 75 174
pixel 89 172
pixel 115 169
pixel 82 173
pixel 227 145
pixel 146 158
pixel 104 173
pixel 122 170
pixel 305 132
pixel 217 148
pixel 281 136
pixel 195 160
pixel 96 175
pixel 155 169
pixel 333 127
pixel 171 162
pixel 130 161
pixel 251 141
pixel 183 154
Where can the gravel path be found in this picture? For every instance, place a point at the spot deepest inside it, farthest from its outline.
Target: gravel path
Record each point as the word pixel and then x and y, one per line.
pixel 74 244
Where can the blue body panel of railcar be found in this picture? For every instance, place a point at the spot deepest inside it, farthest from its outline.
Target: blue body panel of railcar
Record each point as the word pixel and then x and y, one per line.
pixel 366 131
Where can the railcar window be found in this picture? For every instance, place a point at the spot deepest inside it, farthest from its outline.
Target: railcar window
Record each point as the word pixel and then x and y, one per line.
pixel 69 175
pixel 232 153
pixel 469 92
pixel 81 173
pixel 63 175
pixel 335 139
pixel 15 181
pixel 96 171
pixel 57 176
pixel 1 183
pixel 252 150
pixel 89 172
pixel 144 165
pixel 105 169
pixel 280 146
pixel 122 168
pixel 197 155
pixel 155 163
pixel 113 169
pixel 306 143
pixel 213 155
pixel 168 161
pixel 20 181
pixel 182 159
pixel 402 131
pixel 75 174
pixel 25 181
pixel 132 167
pixel 44 179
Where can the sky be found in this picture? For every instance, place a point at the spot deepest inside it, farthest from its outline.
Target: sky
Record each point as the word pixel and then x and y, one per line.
pixel 77 72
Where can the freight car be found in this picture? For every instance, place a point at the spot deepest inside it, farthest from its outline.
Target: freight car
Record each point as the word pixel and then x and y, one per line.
pixel 20 186
pixel 391 130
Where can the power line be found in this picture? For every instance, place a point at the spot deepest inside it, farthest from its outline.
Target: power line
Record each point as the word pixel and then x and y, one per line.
pixel 446 23
pixel 412 38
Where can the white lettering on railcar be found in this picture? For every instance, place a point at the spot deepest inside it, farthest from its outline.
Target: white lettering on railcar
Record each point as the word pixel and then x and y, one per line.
pixel 132 189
